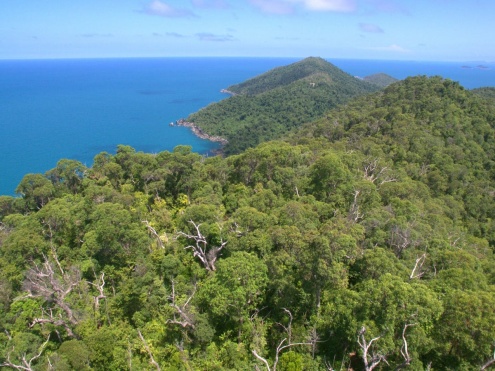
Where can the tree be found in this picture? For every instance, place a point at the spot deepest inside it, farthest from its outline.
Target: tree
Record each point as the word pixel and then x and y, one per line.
pixel 207 254
pixel 25 357
pixel 465 328
pixel 284 344
pixel 236 289
pixel 55 288
pixel 68 174
pixel 36 189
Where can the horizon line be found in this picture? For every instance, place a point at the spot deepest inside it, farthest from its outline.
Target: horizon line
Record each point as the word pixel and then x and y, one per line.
pixel 242 57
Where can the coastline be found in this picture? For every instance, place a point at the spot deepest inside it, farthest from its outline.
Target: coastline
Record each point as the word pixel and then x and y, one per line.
pixel 225 91
pixel 196 130
pixel 200 133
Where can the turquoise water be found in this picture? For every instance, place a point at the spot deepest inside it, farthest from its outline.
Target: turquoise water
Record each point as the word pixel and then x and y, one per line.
pixel 53 109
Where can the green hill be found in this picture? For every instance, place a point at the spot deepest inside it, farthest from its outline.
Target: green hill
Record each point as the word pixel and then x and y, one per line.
pixel 267 106
pixel 435 131
pixel 380 79
pixel 363 238
pixel 486 92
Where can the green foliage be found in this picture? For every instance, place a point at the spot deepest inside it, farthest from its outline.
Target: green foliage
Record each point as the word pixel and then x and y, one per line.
pixel 267 106
pixel 373 222
pixel 486 92
pixel 380 79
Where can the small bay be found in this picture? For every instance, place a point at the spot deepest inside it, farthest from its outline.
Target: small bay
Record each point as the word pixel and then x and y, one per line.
pixel 53 109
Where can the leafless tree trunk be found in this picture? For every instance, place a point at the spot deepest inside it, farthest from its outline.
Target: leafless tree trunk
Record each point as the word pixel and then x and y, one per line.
pixel 354 213
pixel 370 360
pixel 148 350
pixel 206 254
pixel 404 351
pixel 154 233
pixel 281 346
pixel 100 287
pixel 417 266
pixel 42 281
pixel 185 318
pixel 373 171
pixel 488 364
pixel 25 363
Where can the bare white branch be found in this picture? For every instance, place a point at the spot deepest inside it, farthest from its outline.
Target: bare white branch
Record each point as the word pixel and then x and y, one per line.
pixel 100 287
pixel 370 360
pixel 373 171
pixel 207 255
pixel 262 360
pixel 148 350
pixel 404 349
pixel 185 318
pixel 26 364
pixel 154 233
pixel 281 346
pixel 42 281
pixel 354 213
pixel 418 265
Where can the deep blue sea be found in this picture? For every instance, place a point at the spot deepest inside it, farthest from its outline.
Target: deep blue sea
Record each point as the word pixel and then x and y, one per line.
pixel 53 109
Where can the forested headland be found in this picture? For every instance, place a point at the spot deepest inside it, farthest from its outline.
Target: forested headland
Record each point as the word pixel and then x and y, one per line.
pixel 361 240
pixel 268 106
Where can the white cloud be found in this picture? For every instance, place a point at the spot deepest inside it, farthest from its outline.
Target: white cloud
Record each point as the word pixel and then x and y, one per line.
pixel 371 28
pixel 289 6
pixel 157 7
pixel 330 5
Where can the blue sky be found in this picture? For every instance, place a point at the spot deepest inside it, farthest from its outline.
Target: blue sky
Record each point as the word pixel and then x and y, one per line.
pixel 425 30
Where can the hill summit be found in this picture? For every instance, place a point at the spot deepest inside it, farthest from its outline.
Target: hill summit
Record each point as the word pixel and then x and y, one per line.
pixel 309 69
pixel 271 104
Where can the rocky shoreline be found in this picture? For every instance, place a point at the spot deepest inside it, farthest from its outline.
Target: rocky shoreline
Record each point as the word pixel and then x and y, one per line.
pixel 200 133
pixel 225 91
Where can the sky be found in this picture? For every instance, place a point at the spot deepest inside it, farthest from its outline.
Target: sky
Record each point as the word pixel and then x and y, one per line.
pixel 423 30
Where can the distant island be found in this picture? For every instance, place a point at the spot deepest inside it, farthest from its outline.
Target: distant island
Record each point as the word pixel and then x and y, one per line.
pixel 479 67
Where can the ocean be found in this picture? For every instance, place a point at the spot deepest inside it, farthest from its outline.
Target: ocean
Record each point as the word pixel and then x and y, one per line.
pixel 54 109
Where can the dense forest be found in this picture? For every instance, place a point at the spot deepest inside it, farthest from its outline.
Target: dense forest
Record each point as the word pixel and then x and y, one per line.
pixel 380 79
pixel 268 106
pixel 361 241
pixel 486 92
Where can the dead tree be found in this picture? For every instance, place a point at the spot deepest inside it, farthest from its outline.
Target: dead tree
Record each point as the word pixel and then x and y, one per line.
pixel 154 233
pixel 402 238
pixel 43 282
pixel 488 363
pixel 354 213
pixel 100 285
pixel 56 319
pixel 208 255
pixel 284 344
pixel 417 266
pixel 370 358
pixel 182 316
pixel 148 350
pixel 404 351
pixel 25 363
pixel 373 171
